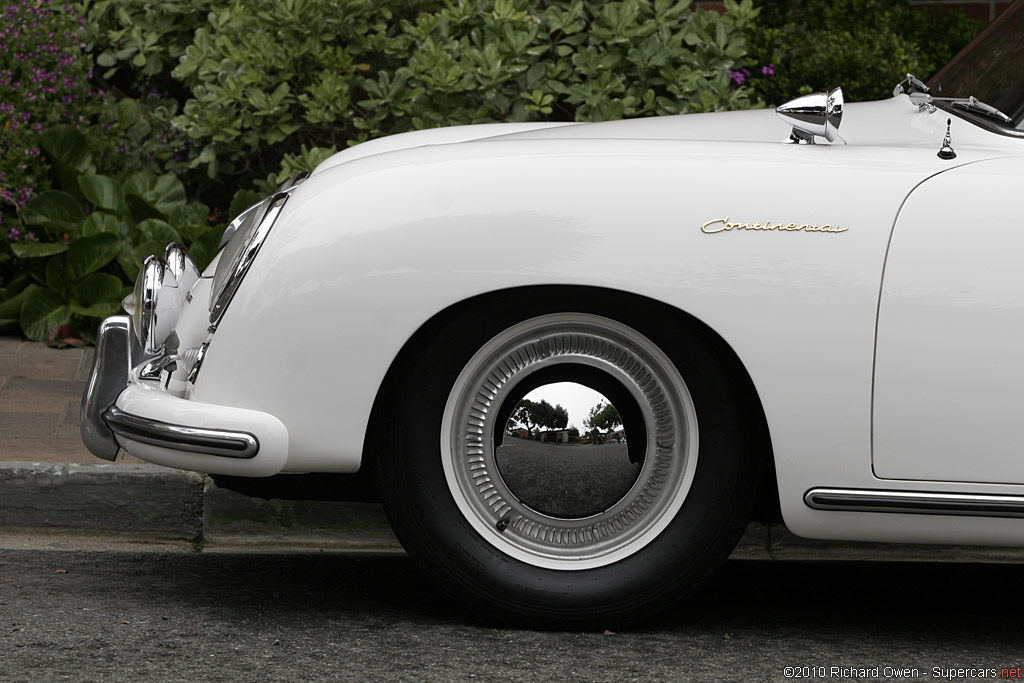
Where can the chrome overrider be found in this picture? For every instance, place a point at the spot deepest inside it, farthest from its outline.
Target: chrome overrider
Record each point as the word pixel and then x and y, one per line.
pixel 108 379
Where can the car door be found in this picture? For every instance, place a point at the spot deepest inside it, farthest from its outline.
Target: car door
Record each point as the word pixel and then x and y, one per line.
pixel 948 397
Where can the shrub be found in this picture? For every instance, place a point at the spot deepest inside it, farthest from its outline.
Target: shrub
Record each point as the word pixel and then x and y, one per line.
pixel 44 81
pixel 865 46
pixel 106 235
pixel 265 82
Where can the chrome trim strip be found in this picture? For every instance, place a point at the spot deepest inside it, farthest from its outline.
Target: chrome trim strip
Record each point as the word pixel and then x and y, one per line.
pixel 239 219
pixel 915 502
pixel 180 438
pixel 222 296
pixel 287 186
pixel 197 364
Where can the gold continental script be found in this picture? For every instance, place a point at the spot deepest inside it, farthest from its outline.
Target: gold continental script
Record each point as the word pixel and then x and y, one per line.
pixel 723 225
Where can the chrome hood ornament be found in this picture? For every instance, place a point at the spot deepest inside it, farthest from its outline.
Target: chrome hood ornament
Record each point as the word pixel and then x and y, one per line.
pixel 815 114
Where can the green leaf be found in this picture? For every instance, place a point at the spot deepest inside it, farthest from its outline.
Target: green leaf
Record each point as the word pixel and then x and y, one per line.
pixel 164 193
pixel 38 250
pixel 98 288
pixel 101 310
pixel 66 145
pixel 156 230
pixel 10 309
pixel 205 248
pixel 192 214
pixel 129 263
pixel 43 310
pixel 99 222
pixel 242 200
pixel 69 155
pixel 145 249
pixel 56 275
pixel 102 191
pixel 89 254
pixel 140 209
pixel 54 210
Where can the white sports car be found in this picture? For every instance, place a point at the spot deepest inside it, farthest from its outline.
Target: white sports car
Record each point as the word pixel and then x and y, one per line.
pixel 765 312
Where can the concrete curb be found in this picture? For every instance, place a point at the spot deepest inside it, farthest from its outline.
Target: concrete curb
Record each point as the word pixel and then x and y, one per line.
pixel 161 504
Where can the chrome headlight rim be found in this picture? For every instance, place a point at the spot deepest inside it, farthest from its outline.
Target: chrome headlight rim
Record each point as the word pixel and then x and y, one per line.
pixel 141 305
pixel 229 275
pixel 254 210
pixel 181 265
pixel 155 303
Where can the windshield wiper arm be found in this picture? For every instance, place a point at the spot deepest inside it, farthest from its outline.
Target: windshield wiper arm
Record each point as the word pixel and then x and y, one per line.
pixel 973 104
pixel 921 97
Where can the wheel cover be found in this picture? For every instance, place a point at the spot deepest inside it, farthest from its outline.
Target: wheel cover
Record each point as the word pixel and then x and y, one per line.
pixel 468 449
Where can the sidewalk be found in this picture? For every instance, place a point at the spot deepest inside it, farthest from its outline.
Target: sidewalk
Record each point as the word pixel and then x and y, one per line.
pixel 51 484
pixel 40 402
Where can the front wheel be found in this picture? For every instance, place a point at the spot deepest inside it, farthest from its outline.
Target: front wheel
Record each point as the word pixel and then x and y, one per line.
pixel 555 528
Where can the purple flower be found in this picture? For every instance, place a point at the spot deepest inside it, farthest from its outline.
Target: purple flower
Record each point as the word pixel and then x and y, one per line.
pixel 14 234
pixel 739 76
pixel 768 70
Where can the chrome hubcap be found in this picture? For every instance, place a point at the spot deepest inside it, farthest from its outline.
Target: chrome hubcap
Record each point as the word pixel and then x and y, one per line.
pixel 530 505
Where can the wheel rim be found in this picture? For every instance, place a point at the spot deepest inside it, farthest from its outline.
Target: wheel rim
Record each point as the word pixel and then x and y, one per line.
pixel 468 448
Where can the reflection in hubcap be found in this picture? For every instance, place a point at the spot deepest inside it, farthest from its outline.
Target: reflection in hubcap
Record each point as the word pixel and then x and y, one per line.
pixel 553 466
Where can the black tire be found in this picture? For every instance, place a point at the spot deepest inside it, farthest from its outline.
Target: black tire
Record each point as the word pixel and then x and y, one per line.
pixel 633 566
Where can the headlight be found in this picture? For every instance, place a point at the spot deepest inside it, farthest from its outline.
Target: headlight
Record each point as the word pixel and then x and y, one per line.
pixel 155 304
pixel 241 241
pixel 253 226
pixel 181 265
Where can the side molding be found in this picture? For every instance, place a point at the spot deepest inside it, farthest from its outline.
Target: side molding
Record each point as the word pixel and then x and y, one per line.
pixel 915 502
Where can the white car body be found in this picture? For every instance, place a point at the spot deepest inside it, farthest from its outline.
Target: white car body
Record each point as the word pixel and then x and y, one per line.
pixel 869 287
pixel 621 205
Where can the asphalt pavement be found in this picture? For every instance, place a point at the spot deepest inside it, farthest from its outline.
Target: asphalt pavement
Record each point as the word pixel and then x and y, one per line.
pixel 130 614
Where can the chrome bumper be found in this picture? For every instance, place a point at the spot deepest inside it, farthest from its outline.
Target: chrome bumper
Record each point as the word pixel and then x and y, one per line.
pixel 181 438
pixel 102 422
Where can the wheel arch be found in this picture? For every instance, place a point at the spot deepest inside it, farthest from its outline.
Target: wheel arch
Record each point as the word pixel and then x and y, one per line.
pixel 617 304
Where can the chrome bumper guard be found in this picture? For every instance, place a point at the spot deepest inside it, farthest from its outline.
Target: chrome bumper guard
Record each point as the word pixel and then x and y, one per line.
pixel 108 379
pixel 180 438
pixel 103 422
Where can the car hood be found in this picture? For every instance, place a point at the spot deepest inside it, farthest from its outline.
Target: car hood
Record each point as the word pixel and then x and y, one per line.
pixel 886 123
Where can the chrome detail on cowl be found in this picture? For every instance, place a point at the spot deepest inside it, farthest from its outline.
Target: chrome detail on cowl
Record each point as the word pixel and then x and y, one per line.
pixel 917 91
pixel 946 151
pixel 194 360
pixel 818 114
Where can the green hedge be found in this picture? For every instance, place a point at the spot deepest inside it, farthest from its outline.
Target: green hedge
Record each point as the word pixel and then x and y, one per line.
pixel 865 46
pixel 175 112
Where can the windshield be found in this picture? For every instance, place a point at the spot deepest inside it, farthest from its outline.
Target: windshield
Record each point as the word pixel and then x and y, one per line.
pixel 991 67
